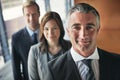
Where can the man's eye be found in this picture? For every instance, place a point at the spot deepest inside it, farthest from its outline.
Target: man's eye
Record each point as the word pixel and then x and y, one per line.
pixel 89 27
pixel 34 14
pixel 27 15
pixel 76 27
pixel 45 28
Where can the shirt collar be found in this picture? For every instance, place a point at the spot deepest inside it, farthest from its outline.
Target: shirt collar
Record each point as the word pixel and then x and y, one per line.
pixel 78 57
pixel 31 32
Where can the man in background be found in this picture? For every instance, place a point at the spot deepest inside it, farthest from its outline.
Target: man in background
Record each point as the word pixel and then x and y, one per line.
pixel 23 39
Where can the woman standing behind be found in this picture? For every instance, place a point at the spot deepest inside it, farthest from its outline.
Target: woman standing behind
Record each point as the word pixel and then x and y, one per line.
pixel 51 45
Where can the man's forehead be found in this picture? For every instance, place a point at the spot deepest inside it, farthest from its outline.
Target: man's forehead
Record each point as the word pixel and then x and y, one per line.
pixel 82 15
pixel 82 19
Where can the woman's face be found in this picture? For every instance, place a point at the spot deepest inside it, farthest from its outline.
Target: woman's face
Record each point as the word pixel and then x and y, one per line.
pixel 52 31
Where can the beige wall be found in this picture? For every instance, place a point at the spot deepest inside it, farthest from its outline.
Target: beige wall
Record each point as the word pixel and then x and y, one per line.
pixel 109 35
pixel 14 25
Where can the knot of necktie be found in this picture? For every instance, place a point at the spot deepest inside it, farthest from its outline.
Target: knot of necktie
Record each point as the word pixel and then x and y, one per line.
pixel 87 62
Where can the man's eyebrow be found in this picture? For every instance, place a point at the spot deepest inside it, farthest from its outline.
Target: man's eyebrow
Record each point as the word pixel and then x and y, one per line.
pixel 91 24
pixel 76 24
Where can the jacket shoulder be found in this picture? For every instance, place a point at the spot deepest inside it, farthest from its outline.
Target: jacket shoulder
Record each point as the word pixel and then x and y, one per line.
pixel 35 48
pixel 19 33
pixel 107 54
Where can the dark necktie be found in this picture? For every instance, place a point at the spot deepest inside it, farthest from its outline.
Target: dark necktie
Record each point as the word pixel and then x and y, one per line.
pixel 35 38
pixel 90 73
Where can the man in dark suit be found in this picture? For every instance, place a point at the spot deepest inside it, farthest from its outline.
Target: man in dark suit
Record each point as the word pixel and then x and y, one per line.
pixel 23 39
pixel 83 24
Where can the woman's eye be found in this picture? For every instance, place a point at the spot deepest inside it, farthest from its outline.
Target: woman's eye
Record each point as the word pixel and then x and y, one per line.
pixel 55 28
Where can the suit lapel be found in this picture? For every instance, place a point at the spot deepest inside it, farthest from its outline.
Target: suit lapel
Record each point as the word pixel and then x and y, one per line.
pixel 44 64
pixel 73 70
pixel 27 36
pixel 25 42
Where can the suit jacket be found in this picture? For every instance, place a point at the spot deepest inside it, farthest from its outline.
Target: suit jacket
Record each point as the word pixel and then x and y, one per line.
pixel 38 63
pixel 64 68
pixel 21 43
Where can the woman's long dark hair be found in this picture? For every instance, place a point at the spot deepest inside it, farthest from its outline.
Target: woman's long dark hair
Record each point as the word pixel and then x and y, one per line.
pixel 47 17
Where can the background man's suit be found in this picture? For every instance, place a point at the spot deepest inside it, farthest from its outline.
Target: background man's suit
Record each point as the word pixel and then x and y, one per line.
pixel 64 68
pixel 21 43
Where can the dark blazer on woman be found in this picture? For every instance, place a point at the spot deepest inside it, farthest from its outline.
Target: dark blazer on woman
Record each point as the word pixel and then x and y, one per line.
pixel 21 43
pixel 64 68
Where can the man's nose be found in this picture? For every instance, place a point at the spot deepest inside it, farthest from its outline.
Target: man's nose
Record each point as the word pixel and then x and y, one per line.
pixel 83 33
pixel 31 17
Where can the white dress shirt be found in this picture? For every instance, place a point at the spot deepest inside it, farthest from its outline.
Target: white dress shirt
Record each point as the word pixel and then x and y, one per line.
pixel 30 32
pixel 95 57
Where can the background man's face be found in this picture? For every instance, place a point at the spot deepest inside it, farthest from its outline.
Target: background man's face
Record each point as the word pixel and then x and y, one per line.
pixel 31 15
